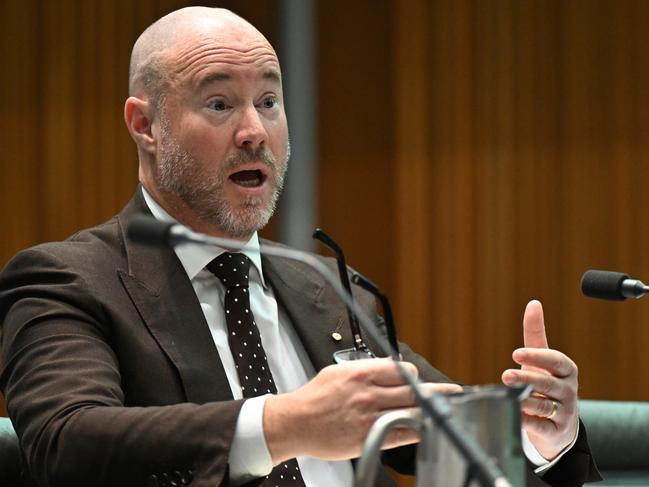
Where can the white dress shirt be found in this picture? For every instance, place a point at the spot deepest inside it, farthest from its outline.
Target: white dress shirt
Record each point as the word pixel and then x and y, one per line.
pixel 291 368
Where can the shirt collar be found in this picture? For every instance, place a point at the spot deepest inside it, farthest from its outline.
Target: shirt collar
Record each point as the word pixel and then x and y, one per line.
pixel 195 257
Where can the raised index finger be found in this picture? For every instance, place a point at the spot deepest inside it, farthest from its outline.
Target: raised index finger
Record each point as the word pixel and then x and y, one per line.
pixel 534 326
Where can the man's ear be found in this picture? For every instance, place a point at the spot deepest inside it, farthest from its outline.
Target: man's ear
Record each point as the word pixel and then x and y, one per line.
pixel 138 116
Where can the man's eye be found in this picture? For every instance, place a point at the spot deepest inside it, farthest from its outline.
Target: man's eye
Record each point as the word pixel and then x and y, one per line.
pixel 219 106
pixel 269 102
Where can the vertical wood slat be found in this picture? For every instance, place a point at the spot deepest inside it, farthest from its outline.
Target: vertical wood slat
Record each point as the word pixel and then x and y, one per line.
pixel 21 151
pixel 412 169
pixel 19 144
pixel 60 182
pixel 412 175
pixel 355 106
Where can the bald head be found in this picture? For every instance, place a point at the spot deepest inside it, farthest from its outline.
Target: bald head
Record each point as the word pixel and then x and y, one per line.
pixel 155 54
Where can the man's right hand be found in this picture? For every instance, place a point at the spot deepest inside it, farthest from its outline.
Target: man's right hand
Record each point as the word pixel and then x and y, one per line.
pixel 330 416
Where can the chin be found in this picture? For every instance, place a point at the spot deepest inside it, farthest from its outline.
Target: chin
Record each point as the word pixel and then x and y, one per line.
pixel 242 222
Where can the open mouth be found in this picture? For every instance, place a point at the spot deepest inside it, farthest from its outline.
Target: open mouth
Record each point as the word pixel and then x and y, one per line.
pixel 248 179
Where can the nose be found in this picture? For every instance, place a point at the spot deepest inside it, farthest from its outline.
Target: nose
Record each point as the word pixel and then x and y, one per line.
pixel 251 131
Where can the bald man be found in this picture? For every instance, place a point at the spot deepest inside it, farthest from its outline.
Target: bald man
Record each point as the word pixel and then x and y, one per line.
pixel 121 364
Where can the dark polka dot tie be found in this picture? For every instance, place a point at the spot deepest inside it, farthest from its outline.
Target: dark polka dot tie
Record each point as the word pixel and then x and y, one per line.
pixel 245 344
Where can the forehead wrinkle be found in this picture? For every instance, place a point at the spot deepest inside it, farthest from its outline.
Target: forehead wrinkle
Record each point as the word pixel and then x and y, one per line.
pixel 217 76
pixel 217 69
pixel 188 59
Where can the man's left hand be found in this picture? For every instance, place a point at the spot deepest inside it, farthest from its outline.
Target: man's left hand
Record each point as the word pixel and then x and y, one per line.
pixel 550 414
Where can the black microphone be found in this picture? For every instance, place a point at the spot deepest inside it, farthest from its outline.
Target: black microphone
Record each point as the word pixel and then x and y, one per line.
pixel 145 229
pixel 614 286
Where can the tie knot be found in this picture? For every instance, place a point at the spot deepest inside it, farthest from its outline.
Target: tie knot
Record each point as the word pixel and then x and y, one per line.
pixel 231 269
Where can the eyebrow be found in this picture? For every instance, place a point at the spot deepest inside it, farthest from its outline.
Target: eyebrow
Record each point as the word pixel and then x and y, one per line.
pixel 272 75
pixel 269 74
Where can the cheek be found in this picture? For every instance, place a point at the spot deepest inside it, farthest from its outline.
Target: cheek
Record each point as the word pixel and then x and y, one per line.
pixel 196 131
pixel 206 142
pixel 279 137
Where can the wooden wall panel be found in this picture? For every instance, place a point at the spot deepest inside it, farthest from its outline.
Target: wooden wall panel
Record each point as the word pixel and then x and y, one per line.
pixel 474 154
pixel 508 155
pixel 536 144
pixel 521 161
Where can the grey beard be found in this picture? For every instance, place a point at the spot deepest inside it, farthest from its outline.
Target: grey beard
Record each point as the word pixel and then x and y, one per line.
pixel 203 192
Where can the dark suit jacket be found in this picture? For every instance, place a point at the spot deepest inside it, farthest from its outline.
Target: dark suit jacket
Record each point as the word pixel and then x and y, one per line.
pixel 110 371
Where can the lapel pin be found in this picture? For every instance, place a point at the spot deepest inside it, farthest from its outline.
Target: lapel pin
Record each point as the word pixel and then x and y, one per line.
pixel 336 336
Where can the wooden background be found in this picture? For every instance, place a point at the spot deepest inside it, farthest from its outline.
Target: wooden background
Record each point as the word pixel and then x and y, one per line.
pixel 474 154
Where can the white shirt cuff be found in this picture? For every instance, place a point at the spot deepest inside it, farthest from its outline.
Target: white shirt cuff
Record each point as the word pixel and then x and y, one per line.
pixel 533 455
pixel 249 456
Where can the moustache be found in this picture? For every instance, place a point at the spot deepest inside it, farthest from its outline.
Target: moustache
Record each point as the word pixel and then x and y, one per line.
pixel 251 155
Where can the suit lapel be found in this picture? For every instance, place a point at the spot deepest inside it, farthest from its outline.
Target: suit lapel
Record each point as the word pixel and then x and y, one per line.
pixel 165 299
pixel 314 312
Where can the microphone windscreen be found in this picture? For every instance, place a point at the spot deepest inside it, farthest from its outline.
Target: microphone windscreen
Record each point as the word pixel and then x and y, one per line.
pixel 603 285
pixel 147 230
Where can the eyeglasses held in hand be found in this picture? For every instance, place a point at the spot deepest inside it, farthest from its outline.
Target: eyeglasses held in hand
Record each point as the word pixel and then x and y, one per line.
pixel 369 286
pixel 360 350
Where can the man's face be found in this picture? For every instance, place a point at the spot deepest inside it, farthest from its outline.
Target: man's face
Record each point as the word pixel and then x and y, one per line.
pixel 223 142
